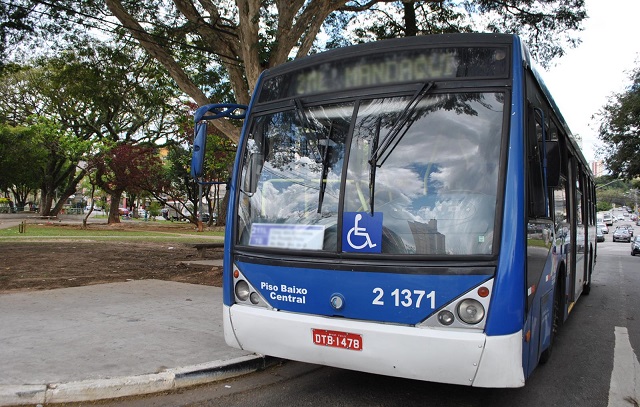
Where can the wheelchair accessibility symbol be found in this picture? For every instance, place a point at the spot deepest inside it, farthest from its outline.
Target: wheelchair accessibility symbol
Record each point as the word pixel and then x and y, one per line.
pixel 362 233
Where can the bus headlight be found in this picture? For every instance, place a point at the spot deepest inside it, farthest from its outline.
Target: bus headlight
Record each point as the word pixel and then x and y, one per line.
pixel 470 311
pixel 242 290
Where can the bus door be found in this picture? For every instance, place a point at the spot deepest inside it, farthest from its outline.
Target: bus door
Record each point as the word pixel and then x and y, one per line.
pixel 578 233
pixel 540 231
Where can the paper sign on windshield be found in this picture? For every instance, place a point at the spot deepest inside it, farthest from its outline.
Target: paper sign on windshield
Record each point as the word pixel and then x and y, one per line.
pixel 301 237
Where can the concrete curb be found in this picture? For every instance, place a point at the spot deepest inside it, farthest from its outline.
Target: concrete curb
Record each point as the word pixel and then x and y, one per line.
pixel 99 389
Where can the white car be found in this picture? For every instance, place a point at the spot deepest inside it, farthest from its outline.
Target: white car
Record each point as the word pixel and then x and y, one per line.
pixel 603 227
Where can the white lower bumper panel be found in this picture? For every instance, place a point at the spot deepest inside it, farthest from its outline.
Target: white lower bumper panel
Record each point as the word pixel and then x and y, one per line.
pixel 437 355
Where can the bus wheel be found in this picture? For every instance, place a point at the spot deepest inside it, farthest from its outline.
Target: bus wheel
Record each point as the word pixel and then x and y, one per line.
pixel 555 325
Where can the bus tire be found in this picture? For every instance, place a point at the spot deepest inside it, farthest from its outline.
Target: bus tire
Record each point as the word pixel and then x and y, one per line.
pixel 555 322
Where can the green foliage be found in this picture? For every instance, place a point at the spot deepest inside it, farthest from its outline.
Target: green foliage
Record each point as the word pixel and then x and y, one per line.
pixel 620 130
pixel 95 96
pixel 154 209
pixel 215 50
pixel 219 158
pixel 173 185
pixel 604 206
pixel 21 154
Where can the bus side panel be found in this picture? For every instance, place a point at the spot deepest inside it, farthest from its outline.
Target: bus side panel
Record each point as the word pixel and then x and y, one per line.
pixel 500 365
pixel 229 235
pixel 508 302
pixel 541 312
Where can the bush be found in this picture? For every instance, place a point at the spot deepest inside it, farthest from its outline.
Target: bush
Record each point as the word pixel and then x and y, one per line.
pixel 154 209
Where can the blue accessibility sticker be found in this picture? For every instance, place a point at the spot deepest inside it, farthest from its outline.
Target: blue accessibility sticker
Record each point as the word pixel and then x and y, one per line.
pixel 362 232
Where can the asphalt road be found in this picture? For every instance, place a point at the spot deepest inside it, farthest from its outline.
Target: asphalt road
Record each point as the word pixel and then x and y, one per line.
pixel 593 364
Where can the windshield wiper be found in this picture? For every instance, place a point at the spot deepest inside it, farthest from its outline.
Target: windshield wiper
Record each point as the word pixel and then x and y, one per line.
pixel 372 168
pixel 393 137
pixel 325 168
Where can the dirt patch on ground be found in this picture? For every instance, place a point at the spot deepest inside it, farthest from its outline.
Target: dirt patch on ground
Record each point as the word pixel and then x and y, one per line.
pixel 28 266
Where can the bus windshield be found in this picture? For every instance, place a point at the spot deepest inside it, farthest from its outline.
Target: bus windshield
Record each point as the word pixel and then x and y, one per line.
pixel 435 185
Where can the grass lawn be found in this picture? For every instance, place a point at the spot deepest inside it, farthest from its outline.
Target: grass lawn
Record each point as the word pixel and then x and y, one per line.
pixel 103 232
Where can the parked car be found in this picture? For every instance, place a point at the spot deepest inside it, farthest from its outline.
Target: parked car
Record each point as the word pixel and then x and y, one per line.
pixel 604 227
pixel 599 235
pixel 621 235
pixel 635 245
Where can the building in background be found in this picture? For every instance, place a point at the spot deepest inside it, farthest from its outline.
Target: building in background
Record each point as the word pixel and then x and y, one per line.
pixel 598 169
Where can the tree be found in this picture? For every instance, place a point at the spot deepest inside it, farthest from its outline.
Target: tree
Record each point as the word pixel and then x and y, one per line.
pixel 218 166
pixel 100 92
pixel 26 24
pixel 21 156
pixel 620 130
pixel 203 42
pixel 174 187
pixel 547 26
pixel 125 167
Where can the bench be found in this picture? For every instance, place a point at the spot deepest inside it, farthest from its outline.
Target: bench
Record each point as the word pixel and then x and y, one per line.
pixel 202 247
pixel 44 217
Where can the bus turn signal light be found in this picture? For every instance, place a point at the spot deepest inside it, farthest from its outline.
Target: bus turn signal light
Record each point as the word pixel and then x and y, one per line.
pixel 483 292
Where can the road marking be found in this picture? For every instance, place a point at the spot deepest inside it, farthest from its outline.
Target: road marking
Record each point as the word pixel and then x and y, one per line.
pixel 624 387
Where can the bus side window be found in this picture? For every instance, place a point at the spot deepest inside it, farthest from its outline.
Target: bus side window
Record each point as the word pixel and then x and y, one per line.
pixel 554 158
pixel 538 199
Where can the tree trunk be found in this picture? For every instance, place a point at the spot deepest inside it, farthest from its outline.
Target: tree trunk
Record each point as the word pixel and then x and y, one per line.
pixel 114 213
pixel 411 26
pixel 86 218
pixel 46 199
pixel 222 209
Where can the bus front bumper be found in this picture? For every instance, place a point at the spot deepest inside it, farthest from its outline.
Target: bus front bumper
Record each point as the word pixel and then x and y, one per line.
pixel 437 355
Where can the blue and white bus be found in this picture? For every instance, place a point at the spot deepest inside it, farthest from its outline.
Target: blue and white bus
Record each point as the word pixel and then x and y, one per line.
pixel 414 207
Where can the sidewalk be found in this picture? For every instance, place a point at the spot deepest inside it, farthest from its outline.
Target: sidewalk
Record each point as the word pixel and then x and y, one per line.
pixel 113 340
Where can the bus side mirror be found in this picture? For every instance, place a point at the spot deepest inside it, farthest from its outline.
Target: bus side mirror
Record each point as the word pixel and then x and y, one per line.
pixel 554 161
pixel 199 148
pixel 252 175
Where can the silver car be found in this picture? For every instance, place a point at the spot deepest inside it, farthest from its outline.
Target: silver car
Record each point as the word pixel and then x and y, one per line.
pixel 621 235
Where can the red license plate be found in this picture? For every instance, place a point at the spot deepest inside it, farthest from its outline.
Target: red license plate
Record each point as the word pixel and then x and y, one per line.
pixel 337 339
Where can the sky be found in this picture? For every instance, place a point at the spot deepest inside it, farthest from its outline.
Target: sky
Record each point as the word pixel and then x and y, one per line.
pixel 582 81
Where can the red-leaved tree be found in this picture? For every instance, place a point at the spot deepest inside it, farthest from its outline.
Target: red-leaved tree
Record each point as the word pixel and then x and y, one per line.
pixel 126 167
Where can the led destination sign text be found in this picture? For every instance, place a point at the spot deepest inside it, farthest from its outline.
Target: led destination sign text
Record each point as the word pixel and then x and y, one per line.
pixel 372 73
pixel 388 68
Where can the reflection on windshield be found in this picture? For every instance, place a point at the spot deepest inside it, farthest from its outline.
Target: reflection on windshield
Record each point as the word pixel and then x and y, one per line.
pixel 300 180
pixel 436 190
